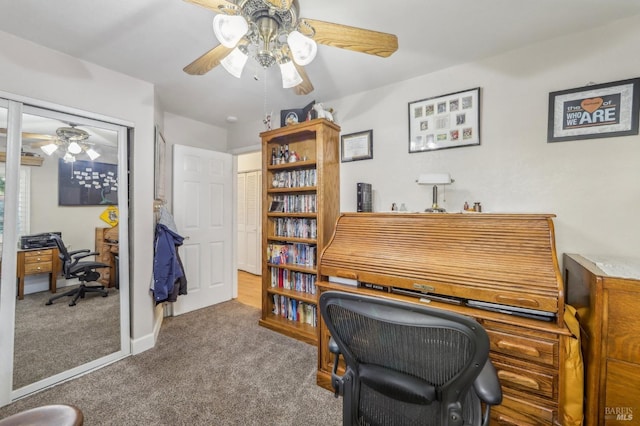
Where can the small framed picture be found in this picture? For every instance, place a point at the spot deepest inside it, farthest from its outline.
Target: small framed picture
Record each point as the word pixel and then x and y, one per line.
pixel 445 121
pixel 596 111
pixel 357 146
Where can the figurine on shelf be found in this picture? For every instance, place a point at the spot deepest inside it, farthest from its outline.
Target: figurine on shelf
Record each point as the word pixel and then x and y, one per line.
pixel 293 157
pixel 323 113
pixel 267 121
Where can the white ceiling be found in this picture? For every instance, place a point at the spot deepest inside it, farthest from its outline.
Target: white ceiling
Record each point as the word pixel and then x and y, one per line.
pixel 154 40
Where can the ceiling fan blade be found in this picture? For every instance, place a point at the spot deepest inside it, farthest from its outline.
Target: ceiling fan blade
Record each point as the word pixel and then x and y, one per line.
pixel 208 61
pixel 352 38
pixel 215 5
pixel 31 136
pixel 305 87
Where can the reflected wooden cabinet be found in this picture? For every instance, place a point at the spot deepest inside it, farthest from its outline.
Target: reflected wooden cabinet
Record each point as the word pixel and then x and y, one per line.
pixel 37 261
pixel 107 248
pixel 610 330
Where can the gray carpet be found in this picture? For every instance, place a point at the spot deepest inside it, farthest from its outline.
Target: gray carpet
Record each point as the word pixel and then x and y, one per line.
pixel 52 339
pixel 215 366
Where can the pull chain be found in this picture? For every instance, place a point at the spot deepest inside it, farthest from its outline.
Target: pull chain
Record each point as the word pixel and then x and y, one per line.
pixel 267 116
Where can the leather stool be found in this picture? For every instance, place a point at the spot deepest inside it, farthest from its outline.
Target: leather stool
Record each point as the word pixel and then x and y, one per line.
pixel 47 415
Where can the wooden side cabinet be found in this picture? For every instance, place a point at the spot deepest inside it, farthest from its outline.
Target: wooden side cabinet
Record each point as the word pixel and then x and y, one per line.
pixel 608 309
pixel 107 249
pixel 37 261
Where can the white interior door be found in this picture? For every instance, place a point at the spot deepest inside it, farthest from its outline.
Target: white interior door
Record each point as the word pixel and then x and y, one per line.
pixel 249 202
pixel 242 221
pixel 253 224
pixel 203 211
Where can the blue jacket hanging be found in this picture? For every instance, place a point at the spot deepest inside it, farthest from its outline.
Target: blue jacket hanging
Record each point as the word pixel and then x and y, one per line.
pixel 167 267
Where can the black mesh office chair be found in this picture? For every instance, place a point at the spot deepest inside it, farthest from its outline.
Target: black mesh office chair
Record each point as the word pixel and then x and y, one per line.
pixel 408 364
pixel 84 271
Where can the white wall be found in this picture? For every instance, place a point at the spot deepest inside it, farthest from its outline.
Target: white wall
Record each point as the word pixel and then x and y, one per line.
pixel 593 186
pixel 36 72
pixel 178 130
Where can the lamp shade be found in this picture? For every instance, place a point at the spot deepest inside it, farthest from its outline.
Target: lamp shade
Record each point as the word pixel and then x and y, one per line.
pixel 74 148
pixel 290 76
pixel 229 29
pixel 234 62
pixel 434 179
pixel 92 153
pixel 303 49
pixel 49 148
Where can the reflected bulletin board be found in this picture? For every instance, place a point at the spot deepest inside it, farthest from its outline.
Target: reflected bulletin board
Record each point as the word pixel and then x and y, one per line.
pixel 87 183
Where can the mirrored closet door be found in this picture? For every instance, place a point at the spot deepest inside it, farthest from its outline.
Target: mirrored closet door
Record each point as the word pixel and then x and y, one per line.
pixel 71 311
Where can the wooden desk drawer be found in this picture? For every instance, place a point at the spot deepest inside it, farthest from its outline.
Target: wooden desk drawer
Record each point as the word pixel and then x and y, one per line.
pixel 37 268
pixel 521 376
pixel 38 256
pixel 519 412
pixel 522 347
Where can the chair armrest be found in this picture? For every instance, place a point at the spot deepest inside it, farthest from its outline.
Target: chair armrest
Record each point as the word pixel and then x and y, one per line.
pixel 87 253
pixel 487 385
pixel 71 253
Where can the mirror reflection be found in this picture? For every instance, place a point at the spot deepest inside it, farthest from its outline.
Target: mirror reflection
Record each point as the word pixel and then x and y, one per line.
pixel 68 308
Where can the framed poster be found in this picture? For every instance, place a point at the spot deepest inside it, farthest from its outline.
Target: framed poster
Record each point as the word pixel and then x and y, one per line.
pixel 356 146
pixel 159 165
pixel 446 121
pixel 596 111
pixel 87 183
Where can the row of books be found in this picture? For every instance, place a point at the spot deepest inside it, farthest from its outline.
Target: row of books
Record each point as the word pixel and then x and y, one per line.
pixel 295 227
pixel 305 203
pixel 295 310
pixel 293 280
pixel 292 254
pixel 296 178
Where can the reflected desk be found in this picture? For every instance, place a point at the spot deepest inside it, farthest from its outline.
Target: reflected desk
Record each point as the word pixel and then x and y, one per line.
pixel 38 261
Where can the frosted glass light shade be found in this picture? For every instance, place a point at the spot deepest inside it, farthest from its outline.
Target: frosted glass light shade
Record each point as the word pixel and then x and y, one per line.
pixel 49 149
pixel 290 76
pixel 93 154
pixel 303 49
pixel 234 62
pixel 74 148
pixel 229 29
pixel 68 158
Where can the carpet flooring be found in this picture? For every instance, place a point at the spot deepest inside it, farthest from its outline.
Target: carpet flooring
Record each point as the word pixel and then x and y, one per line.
pixel 215 366
pixel 55 338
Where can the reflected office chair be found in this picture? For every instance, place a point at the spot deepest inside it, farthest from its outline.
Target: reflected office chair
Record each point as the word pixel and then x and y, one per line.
pixel 408 364
pixel 84 271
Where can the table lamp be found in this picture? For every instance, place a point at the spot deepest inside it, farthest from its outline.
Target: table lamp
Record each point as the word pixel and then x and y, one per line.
pixel 435 179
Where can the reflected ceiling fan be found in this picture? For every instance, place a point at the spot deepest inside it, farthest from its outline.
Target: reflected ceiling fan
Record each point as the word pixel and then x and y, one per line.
pixel 272 33
pixel 74 141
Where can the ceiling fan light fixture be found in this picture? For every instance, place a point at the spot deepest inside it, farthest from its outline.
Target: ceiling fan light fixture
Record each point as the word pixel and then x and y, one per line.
pixel 290 76
pixel 303 49
pixel 74 148
pixel 235 61
pixel 229 29
pixel 49 148
pixel 68 158
pixel 92 153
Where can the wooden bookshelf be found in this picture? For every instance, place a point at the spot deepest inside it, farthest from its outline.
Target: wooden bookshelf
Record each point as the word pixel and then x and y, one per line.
pixel 308 189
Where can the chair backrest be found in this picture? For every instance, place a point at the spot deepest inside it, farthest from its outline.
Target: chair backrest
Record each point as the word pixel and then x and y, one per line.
pixel 63 253
pixel 411 364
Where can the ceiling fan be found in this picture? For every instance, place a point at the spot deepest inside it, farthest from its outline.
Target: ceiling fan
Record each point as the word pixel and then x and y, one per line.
pixel 73 140
pixel 272 32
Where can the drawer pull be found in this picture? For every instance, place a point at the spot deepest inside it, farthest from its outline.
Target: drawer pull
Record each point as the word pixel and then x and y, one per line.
pixel 512 300
pixel 518 379
pixel 347 274
pixel 528 350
